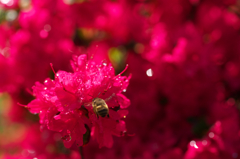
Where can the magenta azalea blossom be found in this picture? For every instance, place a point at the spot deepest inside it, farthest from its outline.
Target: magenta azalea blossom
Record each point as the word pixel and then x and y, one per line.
pixel 65 104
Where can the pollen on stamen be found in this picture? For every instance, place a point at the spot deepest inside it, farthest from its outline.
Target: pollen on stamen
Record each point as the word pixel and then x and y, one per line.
pixel 25 106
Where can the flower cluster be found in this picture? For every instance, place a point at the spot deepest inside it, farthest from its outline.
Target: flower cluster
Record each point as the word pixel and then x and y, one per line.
pixel 184 90
pixel 65 104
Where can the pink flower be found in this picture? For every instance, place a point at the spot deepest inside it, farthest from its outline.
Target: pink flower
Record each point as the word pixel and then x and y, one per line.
pixel 32 143
pixel 222 139
pixel 65 104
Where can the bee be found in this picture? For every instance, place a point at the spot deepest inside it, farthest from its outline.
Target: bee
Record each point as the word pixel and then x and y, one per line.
pixel 100 107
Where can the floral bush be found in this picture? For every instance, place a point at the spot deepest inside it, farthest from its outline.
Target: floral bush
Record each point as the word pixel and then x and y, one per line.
pixel 169 72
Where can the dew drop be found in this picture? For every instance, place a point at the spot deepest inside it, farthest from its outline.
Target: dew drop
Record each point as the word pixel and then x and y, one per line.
pixel 124 90
pixel 149 72
pixel 193 143
pixel 11 15
pixel 7 2
pixel 204 142
pixel 211 134
pixel 195 146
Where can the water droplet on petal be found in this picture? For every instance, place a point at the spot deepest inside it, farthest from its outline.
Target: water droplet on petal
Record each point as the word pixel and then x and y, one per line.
pixel 11 15
pixel 7 2
pixel 204 142
pixel 193 143
pixel 195 146
pixel 211 134
pixel 149 72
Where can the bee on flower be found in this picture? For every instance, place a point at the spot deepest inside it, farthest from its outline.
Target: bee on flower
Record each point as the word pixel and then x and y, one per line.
pixel 88 100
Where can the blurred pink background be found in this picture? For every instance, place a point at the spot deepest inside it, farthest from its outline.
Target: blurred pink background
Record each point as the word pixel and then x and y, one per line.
pixel 183 55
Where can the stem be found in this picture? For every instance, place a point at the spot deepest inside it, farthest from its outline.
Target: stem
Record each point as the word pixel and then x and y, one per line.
pixel 81 152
